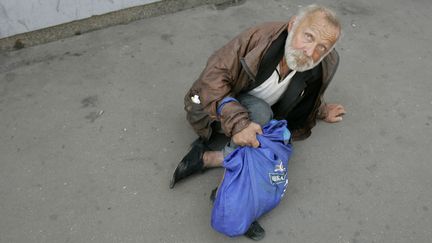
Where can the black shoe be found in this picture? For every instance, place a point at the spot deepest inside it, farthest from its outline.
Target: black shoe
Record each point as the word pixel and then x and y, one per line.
pixel 191 163
pixel 255 231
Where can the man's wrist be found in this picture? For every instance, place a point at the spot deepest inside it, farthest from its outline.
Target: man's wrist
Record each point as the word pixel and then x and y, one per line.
pixel 239 126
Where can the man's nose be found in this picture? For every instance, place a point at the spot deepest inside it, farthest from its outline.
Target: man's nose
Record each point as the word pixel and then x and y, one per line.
pixel 309 50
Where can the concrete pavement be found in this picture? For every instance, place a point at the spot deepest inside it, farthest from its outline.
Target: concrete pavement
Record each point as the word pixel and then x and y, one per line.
pixel 92 126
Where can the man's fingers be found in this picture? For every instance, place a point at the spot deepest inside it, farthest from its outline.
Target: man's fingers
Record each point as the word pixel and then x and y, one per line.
pixel 259 131
pixel 257 128
pixel 337 111
pixel 247 137
pixel 334 118
pixel 340 113
pixel 341 109
pixel 255 144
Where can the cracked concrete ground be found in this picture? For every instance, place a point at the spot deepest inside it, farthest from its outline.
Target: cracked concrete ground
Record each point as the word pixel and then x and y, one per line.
pixel 92 126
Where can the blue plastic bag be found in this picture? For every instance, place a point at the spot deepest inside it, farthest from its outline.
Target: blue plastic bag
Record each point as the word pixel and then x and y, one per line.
pixel 255 180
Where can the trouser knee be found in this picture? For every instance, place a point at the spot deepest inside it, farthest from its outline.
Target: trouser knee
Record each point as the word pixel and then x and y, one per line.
pixel 259 111
pixel 262 115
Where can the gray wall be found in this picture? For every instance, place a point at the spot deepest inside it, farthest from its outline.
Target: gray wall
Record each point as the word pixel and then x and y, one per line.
pixel 20 16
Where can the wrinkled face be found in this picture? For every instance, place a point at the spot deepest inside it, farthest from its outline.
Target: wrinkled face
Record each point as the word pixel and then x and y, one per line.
pixel 309 41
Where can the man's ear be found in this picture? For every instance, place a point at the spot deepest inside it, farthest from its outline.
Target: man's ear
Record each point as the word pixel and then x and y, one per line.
pixel 291 22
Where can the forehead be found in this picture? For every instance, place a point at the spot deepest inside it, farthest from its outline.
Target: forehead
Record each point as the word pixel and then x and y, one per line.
pixel 317 22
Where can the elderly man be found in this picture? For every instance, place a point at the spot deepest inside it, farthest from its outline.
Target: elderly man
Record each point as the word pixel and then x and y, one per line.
pixel 275 70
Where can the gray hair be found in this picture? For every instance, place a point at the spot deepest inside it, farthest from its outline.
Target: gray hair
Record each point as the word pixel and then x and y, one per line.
pixel 329 14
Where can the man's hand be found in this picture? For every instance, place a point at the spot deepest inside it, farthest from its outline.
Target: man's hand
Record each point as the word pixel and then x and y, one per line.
pixel 334 113
pixel 247 136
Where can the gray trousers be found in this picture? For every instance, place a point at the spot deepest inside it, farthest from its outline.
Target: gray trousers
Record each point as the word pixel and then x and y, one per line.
pixel 259 112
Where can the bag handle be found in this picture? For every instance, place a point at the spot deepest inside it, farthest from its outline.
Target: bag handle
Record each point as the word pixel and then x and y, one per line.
pixel 267 143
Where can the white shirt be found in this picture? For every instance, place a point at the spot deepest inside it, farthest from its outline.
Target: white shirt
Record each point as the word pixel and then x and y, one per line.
pixel 271 89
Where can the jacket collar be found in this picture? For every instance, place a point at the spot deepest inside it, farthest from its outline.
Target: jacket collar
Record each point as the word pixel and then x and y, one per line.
pixel 254 59
pixel 272 51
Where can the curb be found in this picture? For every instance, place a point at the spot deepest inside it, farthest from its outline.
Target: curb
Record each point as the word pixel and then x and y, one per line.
pixel 96 22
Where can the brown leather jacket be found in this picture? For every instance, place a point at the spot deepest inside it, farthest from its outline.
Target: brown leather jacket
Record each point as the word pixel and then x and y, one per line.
pixel 231 70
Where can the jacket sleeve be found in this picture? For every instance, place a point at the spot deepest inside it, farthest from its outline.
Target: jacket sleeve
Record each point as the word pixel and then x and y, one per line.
pixel 219 77
pixel 234 118
pixel 330 65
pixel 212 86
pixel 322 112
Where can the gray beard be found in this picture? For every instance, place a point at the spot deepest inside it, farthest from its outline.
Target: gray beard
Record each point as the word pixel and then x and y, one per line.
pixel 296 59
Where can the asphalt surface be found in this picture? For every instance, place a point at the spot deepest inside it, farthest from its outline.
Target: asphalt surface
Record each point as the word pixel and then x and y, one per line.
pixel 92 127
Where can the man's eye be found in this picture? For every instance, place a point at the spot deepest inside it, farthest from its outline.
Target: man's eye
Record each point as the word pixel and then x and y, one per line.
pixel 322 48
pixel 308 37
